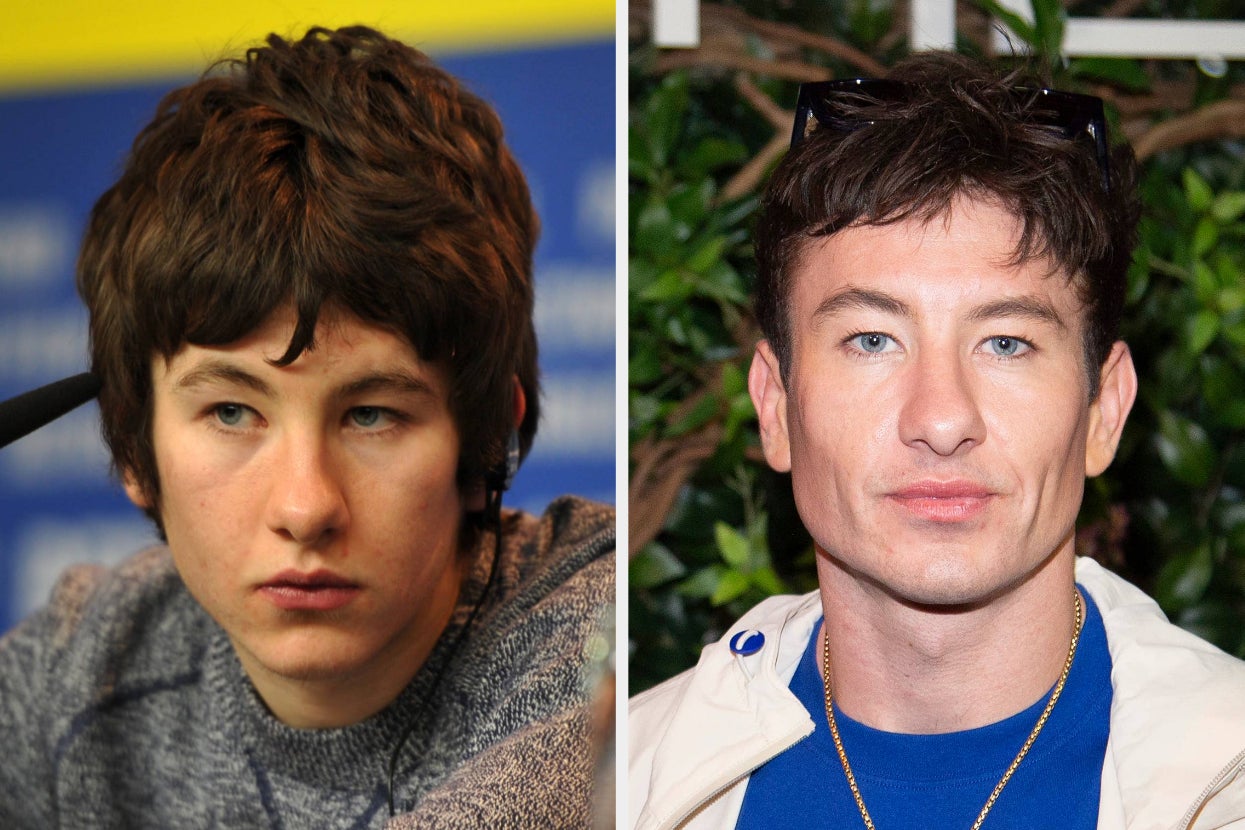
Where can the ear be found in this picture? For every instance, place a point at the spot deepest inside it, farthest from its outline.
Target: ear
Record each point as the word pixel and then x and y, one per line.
pixel 136 492
pixel 770 399
pixel 520 403
pixel 474 495
pixel 1117 389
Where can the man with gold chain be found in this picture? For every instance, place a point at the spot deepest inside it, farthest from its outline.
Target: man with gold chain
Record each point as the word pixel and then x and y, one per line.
pixel 941 275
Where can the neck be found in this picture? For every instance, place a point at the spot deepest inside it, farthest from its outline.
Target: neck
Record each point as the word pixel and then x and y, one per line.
pixel 914 668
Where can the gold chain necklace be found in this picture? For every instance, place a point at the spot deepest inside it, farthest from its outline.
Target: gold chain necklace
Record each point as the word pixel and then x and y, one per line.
pixel 1007 776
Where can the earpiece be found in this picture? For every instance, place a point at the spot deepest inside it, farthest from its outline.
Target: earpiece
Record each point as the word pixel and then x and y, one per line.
pixel 499 478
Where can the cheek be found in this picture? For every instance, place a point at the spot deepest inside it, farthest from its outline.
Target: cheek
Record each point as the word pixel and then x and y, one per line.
pixel 421 496
pixel 833 450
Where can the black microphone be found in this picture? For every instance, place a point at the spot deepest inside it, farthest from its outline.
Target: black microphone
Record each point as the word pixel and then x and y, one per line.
pixel 27 412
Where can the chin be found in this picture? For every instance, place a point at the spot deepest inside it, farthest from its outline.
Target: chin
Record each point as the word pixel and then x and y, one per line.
pixel 960 582
pixel 310 656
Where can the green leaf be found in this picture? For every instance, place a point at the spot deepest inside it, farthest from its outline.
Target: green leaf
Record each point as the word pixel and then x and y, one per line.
pixel 1222 385
pixel 732 585
pixel 710 154
pixel 722 282
pixel 768 581
pixel 644 365
pixel 732 545
pixel 1205 283
pixel 670 287
pixel 708 254
pixel 1200 331
pixel 703 412
pixel 1228 206
pixel 734 381
pixel 704 583
pixel 643 409
pixel 1048 16
pixel 1205 236
pixel 1197 191
pixel 1185 449
pixel 641 273
pixel 654 565
pixel 689 203
pixel 1185 577
pixel 1125 73
pixel 1230 300
pixel 1235 334
pixel 654 228
pixel 663 118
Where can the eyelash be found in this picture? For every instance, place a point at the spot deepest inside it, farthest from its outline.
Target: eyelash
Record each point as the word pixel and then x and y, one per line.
pixel 212 414
pixel 859 353
pixel 862 354
pixel 393 416
pixel 1028 346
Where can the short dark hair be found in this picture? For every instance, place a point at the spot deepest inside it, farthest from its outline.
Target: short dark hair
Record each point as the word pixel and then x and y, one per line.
pixel 963 131
pixel 343 170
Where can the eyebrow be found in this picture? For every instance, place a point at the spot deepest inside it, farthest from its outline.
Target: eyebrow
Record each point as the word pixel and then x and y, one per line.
pixel 226 373
pixel 400 382
pixel 1032 308
pixel 1027 307
pixel 221 372
pixel 861 298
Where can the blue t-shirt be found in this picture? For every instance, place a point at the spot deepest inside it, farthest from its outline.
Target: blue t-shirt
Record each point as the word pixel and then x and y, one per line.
pixel 943 781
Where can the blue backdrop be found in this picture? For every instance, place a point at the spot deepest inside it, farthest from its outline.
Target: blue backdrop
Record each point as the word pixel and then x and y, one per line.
pixel 59 151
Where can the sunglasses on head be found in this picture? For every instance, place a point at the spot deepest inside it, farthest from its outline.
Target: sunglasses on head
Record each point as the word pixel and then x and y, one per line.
pixel 824 104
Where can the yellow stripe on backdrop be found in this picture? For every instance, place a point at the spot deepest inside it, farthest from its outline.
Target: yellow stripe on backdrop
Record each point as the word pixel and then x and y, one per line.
pixel 55 43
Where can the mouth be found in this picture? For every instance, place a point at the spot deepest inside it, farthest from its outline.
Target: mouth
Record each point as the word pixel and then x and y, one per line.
pixel 943 502
pixel 319 590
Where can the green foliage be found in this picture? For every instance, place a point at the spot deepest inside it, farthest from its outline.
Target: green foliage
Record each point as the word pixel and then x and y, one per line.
pixel 1169 514
pixel 688 313
pixel 1183 474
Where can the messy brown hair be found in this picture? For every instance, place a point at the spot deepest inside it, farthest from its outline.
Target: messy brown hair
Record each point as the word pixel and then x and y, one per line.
pixel 963 130
pixel 340 171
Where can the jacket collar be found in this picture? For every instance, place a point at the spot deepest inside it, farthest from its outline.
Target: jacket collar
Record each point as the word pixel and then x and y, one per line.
pixel 1177 740
pixel 1175 757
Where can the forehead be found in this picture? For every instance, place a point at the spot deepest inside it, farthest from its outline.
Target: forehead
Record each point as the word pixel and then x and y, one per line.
pixel 939 267
pixel 343 349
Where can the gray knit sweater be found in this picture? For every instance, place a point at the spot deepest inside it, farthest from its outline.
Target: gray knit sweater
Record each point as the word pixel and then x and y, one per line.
pixel 122 704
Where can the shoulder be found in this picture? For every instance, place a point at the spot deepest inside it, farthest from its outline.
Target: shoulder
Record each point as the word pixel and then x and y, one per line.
pixel 571 529
pixel 520 691
pixel 104 637
pixel 553 593
pixel 693 737
pixel 100 624
pixel 784 623
pixel 1146 646
pixel 1175 711
pixel 566 554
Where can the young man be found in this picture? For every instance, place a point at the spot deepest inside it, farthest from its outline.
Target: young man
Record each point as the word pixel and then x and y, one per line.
pixel 310 296
pixel 941 265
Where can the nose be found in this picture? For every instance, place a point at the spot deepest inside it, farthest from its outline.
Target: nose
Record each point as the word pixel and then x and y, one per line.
pixel 306 503
pixel 941 411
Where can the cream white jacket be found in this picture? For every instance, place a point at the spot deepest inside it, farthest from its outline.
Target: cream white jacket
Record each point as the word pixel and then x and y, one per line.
pixel 1175 756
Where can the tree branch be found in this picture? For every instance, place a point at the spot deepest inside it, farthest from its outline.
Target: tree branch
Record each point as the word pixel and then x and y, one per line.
pixel 1220 119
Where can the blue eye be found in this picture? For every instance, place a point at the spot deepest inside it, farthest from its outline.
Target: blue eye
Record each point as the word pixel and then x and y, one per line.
pixel 230 414
pixel 1004 346
pixel 366 416
pixel 872 342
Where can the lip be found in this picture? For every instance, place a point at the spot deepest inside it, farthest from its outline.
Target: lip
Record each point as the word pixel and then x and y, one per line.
pixel 944 502
pixel 320 590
